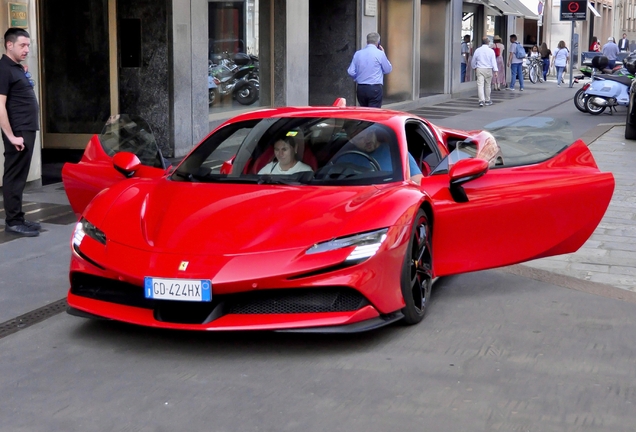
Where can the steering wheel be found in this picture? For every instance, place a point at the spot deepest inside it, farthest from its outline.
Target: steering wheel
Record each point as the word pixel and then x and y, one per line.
pixel 374 163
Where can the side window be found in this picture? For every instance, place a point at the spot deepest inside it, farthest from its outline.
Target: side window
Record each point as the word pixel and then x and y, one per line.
pixel 422 146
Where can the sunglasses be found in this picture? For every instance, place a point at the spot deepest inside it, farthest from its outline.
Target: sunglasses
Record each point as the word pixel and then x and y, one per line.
pixel 31 81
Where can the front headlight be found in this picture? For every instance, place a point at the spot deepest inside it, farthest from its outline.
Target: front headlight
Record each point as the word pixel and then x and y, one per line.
pixel 366 245
pixel 85 228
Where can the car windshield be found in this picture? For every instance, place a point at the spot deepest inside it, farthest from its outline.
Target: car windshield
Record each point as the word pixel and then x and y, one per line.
pixel 296 150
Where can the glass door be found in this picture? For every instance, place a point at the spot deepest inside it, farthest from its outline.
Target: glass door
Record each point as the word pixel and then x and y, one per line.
pixel 79 70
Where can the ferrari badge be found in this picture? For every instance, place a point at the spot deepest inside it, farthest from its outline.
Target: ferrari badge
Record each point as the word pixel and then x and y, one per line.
pixel 183 266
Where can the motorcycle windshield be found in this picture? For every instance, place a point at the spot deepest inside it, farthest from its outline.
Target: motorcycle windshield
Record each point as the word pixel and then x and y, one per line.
pixel 132 134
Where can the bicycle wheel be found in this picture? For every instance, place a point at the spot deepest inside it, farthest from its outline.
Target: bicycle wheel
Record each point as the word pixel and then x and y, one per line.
pixel 533 73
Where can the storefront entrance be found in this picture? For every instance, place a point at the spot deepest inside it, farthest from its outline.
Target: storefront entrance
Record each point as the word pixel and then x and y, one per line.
pixel 78 70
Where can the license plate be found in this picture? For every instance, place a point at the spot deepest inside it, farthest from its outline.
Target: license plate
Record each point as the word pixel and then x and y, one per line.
pixel 199 290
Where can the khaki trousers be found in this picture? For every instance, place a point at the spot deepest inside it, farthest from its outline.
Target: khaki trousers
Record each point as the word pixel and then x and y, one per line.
pixel 484 79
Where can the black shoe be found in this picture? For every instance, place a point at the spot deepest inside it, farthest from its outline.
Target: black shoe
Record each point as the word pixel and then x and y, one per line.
pixel 22 230
pixel 32 225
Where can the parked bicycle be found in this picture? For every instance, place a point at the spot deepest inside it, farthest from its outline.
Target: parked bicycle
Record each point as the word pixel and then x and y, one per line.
pixel 533 69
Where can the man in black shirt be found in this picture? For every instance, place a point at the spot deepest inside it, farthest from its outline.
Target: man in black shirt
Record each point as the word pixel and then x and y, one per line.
pixel 19 123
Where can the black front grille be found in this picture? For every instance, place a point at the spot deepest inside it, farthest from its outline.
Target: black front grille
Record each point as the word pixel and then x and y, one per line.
pixel 109 290
pixel 279 301
pixel 298 301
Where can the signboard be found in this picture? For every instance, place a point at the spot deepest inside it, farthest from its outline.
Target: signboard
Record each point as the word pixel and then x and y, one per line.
pixel 370 7
pixel 18 15
pixel 573 10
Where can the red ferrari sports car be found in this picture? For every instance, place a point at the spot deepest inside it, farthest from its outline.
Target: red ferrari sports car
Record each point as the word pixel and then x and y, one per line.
pixel 324 219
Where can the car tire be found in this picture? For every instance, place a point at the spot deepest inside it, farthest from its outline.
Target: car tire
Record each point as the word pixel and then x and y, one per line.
pixel 579 100
pixel 630 130
pixel 417 272
pixel 592 108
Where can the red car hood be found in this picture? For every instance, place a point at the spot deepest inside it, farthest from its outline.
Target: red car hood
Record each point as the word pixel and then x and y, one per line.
pixel 204 218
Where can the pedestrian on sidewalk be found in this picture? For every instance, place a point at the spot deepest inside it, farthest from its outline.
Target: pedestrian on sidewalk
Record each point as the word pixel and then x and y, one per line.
pixel 485 65
pixel 560 61
pixel 499 48
pixel 623 44
pixel 595 46
pixel 610 50
pixel 515 64
pixel 545 58
pixel 368 67
pixel 465 51
pixel 19 123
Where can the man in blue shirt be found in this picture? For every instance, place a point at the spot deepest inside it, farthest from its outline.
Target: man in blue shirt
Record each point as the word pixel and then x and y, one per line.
pixel 378 148
pixel 367 69
pixel 610 50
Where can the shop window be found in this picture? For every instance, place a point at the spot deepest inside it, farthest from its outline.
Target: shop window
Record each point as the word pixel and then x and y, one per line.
pixel 233 73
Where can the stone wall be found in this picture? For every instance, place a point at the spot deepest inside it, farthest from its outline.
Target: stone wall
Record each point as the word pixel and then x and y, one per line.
pixel 144 90
pixel 332 43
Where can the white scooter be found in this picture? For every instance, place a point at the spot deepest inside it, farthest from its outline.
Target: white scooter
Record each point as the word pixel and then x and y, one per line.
pixel 606 90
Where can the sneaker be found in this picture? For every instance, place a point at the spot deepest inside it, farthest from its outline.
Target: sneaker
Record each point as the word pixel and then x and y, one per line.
pixel 33 225
pixel 558 85
pixel 520 89
pixel 510 88
pixel 481 104
pixel 488 102
pixel 22 230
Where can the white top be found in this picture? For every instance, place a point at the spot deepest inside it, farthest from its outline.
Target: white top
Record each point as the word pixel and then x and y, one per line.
pixel 484 57
pixel 274 168
pixel 561 57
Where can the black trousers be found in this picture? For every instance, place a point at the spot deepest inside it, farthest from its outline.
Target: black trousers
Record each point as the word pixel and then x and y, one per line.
pixel 370 95
pixel 16 170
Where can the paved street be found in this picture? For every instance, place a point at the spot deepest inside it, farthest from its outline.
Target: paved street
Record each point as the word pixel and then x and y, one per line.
pixel 543 346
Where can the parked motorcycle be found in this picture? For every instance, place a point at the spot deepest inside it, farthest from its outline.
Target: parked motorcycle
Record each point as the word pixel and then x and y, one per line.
pixel 606 90
pixel 236 76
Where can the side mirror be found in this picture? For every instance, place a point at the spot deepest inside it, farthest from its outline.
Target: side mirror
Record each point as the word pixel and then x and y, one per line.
pixel 226 167
pixel 464 171
pixel 126 163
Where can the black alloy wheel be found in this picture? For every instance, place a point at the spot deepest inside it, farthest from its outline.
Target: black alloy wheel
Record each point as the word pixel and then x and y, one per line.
pixel 417 274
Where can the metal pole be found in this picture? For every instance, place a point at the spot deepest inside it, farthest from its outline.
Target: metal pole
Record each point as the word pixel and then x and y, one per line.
pixel 571 56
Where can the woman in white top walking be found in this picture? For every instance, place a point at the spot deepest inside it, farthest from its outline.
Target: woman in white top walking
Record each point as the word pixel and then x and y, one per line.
pixel 560 60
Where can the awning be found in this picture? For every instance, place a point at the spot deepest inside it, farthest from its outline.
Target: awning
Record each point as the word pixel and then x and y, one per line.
pixel 523 10
pixel 504 7
pixel 511 7
pixel 593 9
